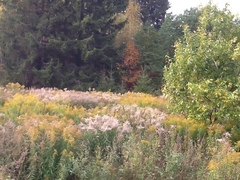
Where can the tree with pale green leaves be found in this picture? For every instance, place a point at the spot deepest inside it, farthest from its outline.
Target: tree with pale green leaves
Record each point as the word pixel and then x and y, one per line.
pixel 203 78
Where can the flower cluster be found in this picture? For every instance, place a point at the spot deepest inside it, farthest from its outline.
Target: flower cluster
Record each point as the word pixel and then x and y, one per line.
pixel 224 157
pixel 139 117
pixel 74 97
pixel 144 100
pixel 105 123
pixel 51 128
pixel 183 125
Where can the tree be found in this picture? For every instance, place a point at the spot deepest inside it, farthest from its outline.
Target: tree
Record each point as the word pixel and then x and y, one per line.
pixel 130 68
pixel 202 81
pixel 59 43
pixel 172 29
pixel 143 83
pixel 154 45
pixel 133 24
pixel 153 12
pixel 152 58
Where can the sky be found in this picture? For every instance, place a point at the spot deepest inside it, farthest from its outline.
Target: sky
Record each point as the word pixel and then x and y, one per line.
pixel 178 6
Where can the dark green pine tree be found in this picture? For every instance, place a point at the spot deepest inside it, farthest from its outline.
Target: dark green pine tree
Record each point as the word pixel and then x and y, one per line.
pixel 18 39
pixel 152 55
pixel 144 83
pixel 59 43
pixel 154 11
pixel 172 28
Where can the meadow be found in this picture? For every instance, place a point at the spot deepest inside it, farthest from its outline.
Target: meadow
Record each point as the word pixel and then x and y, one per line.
pixel 48 134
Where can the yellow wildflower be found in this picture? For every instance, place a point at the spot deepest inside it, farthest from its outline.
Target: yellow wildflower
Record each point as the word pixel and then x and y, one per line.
pixel 55 152
pixel 145 142
pixel 152 128
pixel 212 165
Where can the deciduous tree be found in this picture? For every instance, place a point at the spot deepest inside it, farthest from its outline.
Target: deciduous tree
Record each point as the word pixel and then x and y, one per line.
pixel 133 24
pixel 202 82
pixel 130 67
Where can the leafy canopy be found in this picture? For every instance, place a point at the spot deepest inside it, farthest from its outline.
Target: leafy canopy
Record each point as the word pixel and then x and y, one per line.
pixel 202 80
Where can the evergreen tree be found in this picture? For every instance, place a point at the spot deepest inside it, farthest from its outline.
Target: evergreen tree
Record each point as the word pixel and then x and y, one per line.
pixel 143 83
pixel 172 28
pixel 154 45
pixel 58 43
pixel 152 55
pixel 153 11
pixel 107 82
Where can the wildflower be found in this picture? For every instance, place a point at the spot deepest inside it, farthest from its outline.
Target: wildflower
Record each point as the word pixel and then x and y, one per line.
pixel 227 135
pixel 1 115
pixel 51 135
pixel 126 127
pixel 220 140
pixel 151 129
pixel 64 152
pixel 212 165
pixel 55 152
pixel 237 145
pixel 140 127
pixel 145 142
pixel 33 133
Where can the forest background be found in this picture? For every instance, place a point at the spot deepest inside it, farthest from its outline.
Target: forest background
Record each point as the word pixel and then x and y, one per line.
pixel 107 45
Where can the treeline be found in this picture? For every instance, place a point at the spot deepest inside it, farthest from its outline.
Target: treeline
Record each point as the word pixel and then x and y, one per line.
pixel 115 45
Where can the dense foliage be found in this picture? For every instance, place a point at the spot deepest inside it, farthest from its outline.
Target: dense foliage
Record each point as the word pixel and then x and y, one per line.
pixel 68 44
pixel 155 45
pixel 202 82
pixel 59 43
pixel 153 12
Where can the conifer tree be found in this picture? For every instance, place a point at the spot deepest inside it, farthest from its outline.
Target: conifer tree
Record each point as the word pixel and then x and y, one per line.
pixel 154 11
pixel 58 43
pixel 154 45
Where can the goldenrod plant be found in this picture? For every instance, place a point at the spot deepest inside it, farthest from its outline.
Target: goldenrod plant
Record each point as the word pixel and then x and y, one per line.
pixel 51 134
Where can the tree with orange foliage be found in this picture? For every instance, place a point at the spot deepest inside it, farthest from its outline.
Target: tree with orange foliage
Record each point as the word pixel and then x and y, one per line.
pixel 130 66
